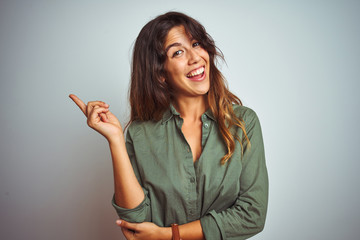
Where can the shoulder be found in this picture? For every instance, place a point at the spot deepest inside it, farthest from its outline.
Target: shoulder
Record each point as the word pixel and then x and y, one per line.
pixel 141 128
pixel 246 114
pixel 251 122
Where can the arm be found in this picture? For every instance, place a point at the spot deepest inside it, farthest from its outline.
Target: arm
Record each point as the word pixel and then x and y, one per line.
pixel 128 192
pixel 148 231
pixel 141 212
pixel 191 231
pixel 247 216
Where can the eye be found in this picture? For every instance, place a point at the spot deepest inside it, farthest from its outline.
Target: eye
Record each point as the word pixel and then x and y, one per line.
pixel 196 44
pixel 177 53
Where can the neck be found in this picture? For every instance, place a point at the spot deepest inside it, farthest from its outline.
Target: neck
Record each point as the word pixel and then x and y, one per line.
pixel 191 108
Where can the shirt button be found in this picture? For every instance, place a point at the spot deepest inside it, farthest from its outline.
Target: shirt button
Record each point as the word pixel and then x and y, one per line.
pixel 192 180
pixel 206 125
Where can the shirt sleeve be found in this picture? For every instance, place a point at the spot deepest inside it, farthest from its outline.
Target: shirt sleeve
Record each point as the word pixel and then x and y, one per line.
pixel 140 213
pixel 247 216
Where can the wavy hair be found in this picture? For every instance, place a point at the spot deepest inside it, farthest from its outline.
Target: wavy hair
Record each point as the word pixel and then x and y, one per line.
pixel 150 96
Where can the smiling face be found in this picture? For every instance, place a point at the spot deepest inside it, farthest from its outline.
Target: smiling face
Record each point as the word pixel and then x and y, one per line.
pixel 187 64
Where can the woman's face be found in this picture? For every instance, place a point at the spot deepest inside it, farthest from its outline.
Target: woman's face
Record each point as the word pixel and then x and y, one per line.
pixel 187 64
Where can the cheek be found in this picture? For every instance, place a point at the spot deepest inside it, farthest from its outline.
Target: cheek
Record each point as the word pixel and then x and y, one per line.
pixel 205 54
pixel 176 70
pixel 173 75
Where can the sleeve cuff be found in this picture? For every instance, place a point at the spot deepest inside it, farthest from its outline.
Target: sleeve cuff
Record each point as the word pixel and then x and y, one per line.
pixel 210 226
pixel 139 214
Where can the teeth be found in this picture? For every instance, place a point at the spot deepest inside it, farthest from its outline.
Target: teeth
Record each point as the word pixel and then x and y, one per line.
pixel 196 72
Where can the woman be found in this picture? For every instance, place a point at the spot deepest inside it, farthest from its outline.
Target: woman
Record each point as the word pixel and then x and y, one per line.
pixel 193 155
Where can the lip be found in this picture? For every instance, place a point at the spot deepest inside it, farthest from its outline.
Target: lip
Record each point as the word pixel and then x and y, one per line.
pixel 195 70
pixel 198 78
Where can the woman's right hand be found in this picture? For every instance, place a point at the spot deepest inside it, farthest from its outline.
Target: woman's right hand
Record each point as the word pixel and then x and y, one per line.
pixel 100 118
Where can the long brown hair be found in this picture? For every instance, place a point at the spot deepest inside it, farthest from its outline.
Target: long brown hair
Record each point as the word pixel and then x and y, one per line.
pixel 150 96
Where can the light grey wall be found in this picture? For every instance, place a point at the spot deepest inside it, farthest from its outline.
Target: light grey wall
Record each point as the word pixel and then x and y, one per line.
pixel 296 63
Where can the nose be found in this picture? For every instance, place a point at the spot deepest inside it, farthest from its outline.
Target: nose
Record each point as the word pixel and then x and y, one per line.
pixel 193 56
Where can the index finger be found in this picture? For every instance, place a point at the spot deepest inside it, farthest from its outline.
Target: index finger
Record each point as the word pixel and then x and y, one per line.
pixel 78 102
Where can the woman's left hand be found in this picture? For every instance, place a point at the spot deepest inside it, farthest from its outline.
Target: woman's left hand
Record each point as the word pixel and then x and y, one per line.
pixel 145 230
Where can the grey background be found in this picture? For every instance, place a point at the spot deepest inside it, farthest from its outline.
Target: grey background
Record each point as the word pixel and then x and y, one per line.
pixel 296 63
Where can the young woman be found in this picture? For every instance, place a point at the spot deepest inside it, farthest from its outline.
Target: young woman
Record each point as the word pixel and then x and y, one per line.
pixel 193 155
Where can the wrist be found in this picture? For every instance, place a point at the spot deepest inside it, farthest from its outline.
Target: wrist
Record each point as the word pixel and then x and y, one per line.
pixel 165 233
pixel 116 139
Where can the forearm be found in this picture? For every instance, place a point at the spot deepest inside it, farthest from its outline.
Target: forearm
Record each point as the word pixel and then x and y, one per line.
pixel 128 191
pixel 191 231
pixel 188 231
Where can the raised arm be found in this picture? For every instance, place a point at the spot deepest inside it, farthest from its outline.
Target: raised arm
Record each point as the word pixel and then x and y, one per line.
pixel 128 192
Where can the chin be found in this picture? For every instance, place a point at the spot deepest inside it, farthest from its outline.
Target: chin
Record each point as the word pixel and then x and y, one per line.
pixel 203 92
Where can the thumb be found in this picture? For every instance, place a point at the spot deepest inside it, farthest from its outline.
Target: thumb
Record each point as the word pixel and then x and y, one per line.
pixel 125 224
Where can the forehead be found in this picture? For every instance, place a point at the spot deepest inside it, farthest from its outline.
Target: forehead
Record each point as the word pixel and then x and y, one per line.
pixel 176 35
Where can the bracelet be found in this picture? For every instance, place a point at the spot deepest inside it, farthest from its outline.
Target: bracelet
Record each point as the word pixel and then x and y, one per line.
pixel 175 231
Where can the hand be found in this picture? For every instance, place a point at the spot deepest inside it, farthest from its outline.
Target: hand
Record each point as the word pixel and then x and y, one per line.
pixel 99 117
pixel 145 230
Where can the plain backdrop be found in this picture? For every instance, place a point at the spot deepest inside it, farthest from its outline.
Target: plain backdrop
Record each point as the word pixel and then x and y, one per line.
pixel 296 63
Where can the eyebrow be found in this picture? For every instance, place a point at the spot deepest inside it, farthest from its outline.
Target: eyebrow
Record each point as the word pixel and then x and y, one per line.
pixel 172 45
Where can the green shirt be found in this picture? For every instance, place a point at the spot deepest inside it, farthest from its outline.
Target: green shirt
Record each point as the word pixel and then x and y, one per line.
pixel 230 200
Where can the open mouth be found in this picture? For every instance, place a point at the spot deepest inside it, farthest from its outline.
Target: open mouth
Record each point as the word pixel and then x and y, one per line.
pixel 197 73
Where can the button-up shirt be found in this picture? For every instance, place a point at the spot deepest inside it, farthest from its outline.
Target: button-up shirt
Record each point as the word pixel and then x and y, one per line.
pixel 230 200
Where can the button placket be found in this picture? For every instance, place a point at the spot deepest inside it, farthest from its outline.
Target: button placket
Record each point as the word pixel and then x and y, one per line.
pixel 179 123
pixel 191 195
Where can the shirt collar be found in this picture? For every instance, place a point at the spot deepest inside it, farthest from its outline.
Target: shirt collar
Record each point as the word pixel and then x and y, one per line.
pixel 171 111
pixel 210 114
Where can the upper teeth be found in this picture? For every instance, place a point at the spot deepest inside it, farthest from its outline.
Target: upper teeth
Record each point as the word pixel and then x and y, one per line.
pixel 196 72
